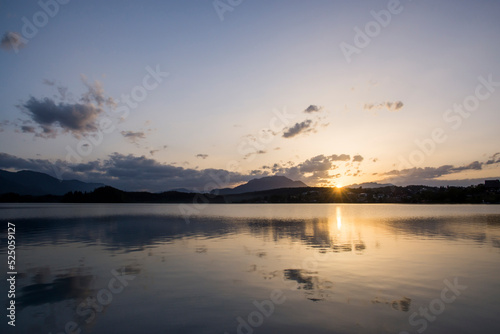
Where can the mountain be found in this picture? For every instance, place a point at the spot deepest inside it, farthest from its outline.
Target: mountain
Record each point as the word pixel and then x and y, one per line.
pixel 264 183
pixel 370 185
pixel 37 184
pixel 183 190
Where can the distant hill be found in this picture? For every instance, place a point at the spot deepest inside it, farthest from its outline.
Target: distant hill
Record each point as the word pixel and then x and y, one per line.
pixel 370 185
pixel 183 190
pixel 38 184
pixel 264 183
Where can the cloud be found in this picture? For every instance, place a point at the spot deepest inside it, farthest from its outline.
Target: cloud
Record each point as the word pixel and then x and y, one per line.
pixel 298 128
pixel 77 118
pixel 391 106
pixel 50 117
pixel 357 158
pixel 95 93
pixel 153 151
pixel 342 157
pixel 12 41
pixel 316 164
pixel 8 161
pixel 129 172
pixel 493 159
pixel 132 136
pixel 312 108
pixel 28 129
pixel 202 156
pixel 313 171
pixel 476 165
pixel 418 175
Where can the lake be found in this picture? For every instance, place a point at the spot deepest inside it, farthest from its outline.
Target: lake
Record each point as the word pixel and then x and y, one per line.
pixel 264 268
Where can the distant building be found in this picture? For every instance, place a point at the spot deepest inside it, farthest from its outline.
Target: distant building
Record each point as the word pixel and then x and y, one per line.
pixel 492 184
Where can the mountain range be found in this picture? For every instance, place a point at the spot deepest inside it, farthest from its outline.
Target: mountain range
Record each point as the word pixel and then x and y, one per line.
pixel 38 184
pixel 261 184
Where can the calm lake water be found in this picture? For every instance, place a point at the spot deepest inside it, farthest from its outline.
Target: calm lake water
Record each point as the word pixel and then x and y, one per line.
pixel 144 268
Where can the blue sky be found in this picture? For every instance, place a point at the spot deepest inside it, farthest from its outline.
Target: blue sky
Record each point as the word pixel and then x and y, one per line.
pixel 364 116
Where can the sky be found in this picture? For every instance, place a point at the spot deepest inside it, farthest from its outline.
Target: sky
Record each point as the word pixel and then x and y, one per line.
pixel 203 94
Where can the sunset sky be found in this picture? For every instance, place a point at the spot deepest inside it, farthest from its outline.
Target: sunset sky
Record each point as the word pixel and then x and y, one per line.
pixel 156 95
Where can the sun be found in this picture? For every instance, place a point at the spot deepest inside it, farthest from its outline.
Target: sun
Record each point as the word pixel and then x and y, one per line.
pixel 338 186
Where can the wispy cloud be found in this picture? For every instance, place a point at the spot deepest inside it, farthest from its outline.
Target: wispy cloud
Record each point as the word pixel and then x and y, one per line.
pixel 298 128
pixel 419 175
pixel 132 136
pixel 202 156
pixel 494 159
pixel 391 106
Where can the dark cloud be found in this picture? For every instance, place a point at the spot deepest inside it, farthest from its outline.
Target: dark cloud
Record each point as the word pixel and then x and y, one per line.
pixel 129 172
pixel 76 118
pixel 133 136
pixel 12 41
pixel 315 170
pixel 315 164
pixel 256 152
pixel 202 156
pixel 8 161
pixel 312 108
pixel 391 106
pixel 476 165
pixel 298 128
pixel 494 159
pixel 357 158
pixel 28 129
pixel 49 117
pixel 418 175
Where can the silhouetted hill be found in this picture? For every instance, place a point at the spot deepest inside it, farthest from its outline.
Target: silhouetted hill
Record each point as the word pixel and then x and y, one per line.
pixel 393 194
pixel 182 190
pixel 370 185
pixel 112 195
pixel 38 184
pixel 264 183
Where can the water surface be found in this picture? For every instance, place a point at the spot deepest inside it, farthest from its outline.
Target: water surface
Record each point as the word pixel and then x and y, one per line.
pixel 145 268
